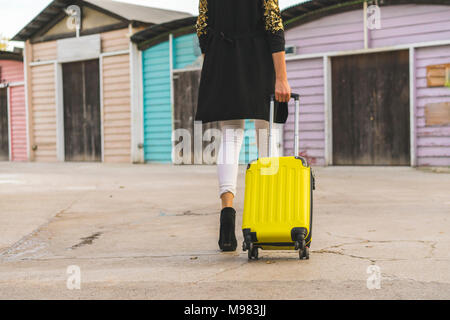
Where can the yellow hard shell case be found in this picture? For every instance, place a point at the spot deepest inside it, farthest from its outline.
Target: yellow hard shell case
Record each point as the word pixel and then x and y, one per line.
pixel 278 201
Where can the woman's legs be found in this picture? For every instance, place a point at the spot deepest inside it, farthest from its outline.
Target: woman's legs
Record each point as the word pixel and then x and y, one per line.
pixel 228 159
pixel 227 170
pixel 228 156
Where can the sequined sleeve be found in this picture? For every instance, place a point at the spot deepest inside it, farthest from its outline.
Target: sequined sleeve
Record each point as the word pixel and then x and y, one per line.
pixel 274 25
pixel 202 23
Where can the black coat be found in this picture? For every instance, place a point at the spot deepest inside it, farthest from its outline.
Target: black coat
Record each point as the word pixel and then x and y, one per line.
pixel 238 38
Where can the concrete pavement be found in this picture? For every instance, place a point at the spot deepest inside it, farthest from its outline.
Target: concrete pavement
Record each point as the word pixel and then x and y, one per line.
pixel 150 231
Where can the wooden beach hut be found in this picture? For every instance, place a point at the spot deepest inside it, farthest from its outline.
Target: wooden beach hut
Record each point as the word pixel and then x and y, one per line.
pixel 13 120
pixel 82 75
pixel 374 77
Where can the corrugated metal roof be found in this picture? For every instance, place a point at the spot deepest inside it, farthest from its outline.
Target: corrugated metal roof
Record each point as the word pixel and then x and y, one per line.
pixel 9 55
pixel 139 13
pixel 128 13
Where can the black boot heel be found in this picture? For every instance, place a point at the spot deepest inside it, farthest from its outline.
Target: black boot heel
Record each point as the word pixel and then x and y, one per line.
pixel 227 237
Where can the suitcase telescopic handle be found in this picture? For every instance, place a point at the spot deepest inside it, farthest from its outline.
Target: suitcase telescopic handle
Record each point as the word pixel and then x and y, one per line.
pixel 296 97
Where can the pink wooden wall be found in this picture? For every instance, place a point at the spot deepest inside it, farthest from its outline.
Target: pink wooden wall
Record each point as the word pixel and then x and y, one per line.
pixel 433 142
pixel 12 72
pixel 400 25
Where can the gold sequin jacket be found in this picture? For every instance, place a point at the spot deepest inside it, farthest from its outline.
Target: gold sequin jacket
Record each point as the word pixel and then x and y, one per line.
pixel 270 16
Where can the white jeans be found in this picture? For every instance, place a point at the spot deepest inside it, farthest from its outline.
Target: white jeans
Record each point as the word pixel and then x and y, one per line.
pixel 230 147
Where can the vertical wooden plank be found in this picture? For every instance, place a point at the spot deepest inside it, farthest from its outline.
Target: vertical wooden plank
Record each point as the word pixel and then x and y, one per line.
pixel 137 155
pixel 92 131
pixel 412 106
pixel 4 128
pixel 8 110
pixel 328 110
pixel 27 58
pixel 102 108
pixel 73 113
pixel 172 91
pixel 59 101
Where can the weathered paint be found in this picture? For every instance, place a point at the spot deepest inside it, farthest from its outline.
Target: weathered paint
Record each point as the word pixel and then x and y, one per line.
pixel 433 142
pixel 116 109
pixel 12 73
pixel 400 25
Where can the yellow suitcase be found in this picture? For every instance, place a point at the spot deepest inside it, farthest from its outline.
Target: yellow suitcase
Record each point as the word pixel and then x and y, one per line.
pixel 278 202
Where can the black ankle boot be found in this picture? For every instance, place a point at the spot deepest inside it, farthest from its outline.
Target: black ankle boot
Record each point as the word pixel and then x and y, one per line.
pixel 227 237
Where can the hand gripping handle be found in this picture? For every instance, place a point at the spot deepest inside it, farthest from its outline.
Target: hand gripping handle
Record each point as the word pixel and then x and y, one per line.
pixel 296 97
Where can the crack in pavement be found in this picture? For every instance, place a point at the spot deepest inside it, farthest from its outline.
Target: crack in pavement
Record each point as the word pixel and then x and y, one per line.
pixel 344 254
pixel 87 240
pixel 329 250
pixel 120 257
pixel 326 250
pixel 26 243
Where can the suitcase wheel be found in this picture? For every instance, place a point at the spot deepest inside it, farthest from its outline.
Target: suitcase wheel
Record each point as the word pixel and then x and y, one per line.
pixel 304 254
pixel 300 245
pixel 253 253
pixel 303 250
